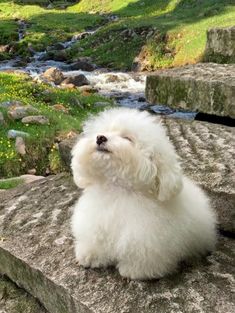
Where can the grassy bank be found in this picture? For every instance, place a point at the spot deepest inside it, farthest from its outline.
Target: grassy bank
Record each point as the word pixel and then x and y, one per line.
pixel 44 26
pixel 41 151
pixel 10 183
pixel 182 25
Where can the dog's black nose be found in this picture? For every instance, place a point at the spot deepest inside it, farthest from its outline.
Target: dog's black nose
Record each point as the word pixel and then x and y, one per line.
pixel 100 139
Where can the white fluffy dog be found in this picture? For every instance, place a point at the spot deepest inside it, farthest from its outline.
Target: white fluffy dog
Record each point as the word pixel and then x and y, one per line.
pixel 137 211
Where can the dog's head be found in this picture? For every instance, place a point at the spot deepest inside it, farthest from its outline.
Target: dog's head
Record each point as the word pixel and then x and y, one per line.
pixel 128 148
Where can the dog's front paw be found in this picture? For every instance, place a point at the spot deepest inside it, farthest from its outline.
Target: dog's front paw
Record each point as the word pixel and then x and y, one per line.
pixel 89 258
pixel 127 271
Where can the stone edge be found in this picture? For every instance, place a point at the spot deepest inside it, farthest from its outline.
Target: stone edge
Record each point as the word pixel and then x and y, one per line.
pixel 53 297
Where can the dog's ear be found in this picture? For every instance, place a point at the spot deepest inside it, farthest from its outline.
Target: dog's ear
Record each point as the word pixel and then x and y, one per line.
pixel 168 178
pixel 79 177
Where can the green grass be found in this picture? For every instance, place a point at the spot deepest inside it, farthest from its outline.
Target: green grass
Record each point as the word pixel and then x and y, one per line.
pixel 40 146
pixel 10 183
pixel 8 31
pixel 182 22
pixel 45 26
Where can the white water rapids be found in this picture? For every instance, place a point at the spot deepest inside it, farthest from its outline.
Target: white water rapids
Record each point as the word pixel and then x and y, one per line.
pixel 126 88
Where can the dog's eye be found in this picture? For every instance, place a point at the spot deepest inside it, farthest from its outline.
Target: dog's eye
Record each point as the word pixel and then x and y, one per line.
pixel 127 138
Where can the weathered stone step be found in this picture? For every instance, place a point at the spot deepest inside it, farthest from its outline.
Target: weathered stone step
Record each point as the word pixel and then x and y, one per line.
pixel 36 252
pixel 207 154
pixel 16 300
pixel 36 247
pixel 203 87
pixel 220 45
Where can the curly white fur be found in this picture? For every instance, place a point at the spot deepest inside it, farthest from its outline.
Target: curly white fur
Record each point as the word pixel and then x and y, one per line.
pixel 137 211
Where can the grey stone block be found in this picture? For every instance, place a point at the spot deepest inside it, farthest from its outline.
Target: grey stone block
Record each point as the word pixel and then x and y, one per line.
pixel 207 153
pixel 220 45
pixel 36 252
pixel 36 246
pixel 203 87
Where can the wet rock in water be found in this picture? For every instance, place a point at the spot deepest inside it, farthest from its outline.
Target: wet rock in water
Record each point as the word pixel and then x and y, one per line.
pixel 54 75
pixel 141 99
pixel 36 119
pixel 20 63
pixel 82 65
pixel 60 55
pixel 161 109
pixel 19 112
pixel 80 36
pixel 202 87
pixel 88 89
pixel 113 78
pixel 78 80
pixel 144 107
pixel 58 46
pixel 101 104
pixel 2 120
pixel 12 133
pixel 45 56
pixel 67 86
pixel 11 104
pixel 20 145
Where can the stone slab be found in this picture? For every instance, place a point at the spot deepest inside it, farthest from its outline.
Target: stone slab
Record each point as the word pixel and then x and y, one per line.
pixel 207 153
pixel 220 45
pixel 36 252
pixel 14 299
pixel 203 87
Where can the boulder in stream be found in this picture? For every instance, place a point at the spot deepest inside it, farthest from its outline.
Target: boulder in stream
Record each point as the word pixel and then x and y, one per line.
pixel 82 65
pixel 54 75
pixel 77 80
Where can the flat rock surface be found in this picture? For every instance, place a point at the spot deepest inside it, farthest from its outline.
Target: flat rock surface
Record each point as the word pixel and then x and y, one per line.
pixel 36 252
pixel 207 153
pixel 203 87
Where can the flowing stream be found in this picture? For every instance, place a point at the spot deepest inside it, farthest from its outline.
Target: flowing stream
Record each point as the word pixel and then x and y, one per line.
pixel 126 88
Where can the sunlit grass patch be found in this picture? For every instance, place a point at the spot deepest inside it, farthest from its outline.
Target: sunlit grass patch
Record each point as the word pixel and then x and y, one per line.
pixel 41 137
pixel 184 22
pixel 44 26
pixel 10 183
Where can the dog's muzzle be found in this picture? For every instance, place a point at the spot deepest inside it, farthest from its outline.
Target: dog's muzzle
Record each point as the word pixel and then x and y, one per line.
pixel 100 141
